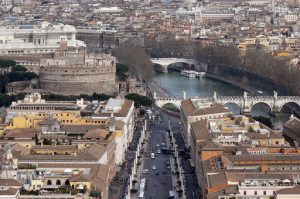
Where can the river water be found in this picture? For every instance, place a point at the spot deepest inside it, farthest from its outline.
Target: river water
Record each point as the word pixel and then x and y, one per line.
pixel 174 84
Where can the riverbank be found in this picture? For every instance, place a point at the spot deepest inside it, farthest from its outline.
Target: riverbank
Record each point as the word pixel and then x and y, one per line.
pixel 236 84
pixel 233 83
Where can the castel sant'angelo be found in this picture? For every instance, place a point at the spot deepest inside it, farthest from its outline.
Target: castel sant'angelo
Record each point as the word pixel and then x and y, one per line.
pixel 72 72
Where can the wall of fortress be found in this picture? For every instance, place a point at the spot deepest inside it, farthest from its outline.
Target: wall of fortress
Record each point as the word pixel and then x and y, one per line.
pixel 78 80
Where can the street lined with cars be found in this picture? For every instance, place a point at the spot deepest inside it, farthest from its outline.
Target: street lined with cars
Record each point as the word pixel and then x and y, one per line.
pixel 155 166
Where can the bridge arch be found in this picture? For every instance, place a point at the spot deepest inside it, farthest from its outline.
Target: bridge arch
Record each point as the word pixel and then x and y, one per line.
pixel 234 107
pixel 260 111
pixel 163 102
pixel 162 64
pixel 292 104
pixel 164 67
pixel 172 107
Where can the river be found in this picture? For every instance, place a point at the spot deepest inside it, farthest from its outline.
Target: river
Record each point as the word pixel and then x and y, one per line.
pixel 174 84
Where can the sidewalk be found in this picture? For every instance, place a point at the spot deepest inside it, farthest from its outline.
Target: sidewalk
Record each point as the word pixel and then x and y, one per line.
pixel 119 184
pixel 140 167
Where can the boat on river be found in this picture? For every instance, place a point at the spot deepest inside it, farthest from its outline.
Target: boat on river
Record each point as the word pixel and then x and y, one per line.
pixel 191 73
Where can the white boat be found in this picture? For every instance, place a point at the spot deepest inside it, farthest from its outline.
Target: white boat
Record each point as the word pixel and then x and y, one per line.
pixel 191 73
pixel 188 73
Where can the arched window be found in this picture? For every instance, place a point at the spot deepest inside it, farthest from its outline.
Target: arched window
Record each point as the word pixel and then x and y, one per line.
pixel 58 182
pixel 49 182
pixel 67 182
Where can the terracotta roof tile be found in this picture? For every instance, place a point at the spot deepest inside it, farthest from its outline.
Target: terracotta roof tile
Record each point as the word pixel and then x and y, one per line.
pixel 9 191
pixel 289 191
pixel 97 133
pixel 80 178
pixel 293 124
pixel 188 107
pixel 27 133
pixel 10 183
pixel 217 179
pixel 199 130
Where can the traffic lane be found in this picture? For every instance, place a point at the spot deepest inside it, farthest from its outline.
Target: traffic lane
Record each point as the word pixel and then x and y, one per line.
pixel 156 140
pixel 158 186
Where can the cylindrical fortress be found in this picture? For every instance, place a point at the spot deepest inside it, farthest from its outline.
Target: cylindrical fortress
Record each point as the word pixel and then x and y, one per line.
pixel 77 80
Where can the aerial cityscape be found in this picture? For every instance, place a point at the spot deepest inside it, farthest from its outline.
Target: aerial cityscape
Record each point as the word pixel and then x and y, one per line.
pixel 149 99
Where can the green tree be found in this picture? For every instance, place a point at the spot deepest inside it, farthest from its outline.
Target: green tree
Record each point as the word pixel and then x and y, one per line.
pixel 139 100
pixel 7 63
pixel 19 68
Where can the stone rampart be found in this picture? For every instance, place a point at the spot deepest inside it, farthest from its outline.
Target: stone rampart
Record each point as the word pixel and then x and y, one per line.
pixel 77 80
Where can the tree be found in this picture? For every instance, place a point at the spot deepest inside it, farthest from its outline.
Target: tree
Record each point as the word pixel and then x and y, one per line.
pixel 137 60
pixel 19 68
pixel 139 100
pixel 7 63
pixel 253 62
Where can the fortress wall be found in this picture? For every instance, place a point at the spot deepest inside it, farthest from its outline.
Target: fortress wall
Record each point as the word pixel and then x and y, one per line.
pixel 81 80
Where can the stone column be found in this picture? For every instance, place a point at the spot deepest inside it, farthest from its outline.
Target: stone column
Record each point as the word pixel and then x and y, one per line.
pixel 184 94
pixel 246 108
pixel 275 108
pixel 154 95
pixel 215 96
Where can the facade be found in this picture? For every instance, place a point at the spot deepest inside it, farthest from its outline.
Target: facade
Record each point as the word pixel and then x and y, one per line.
pixel 57 119
pixel 85 169
pixel 123 111
pixel 192 111
pixel 33 104
pixel 41 39
pixel 73 72
pixel 232 156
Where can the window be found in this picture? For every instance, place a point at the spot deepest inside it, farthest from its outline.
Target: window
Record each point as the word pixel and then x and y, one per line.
pixel 245 192
pixel 58 182
pixel 49 182
pixel 255 192
pixel 265 193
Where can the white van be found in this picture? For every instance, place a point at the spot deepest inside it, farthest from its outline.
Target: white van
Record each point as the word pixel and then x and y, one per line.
pixel 152 155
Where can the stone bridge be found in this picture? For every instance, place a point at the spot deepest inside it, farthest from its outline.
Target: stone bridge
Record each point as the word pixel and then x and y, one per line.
pixel 165 62
pixel 246 103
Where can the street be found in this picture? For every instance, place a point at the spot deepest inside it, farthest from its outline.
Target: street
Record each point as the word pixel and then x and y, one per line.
pixel 159 180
